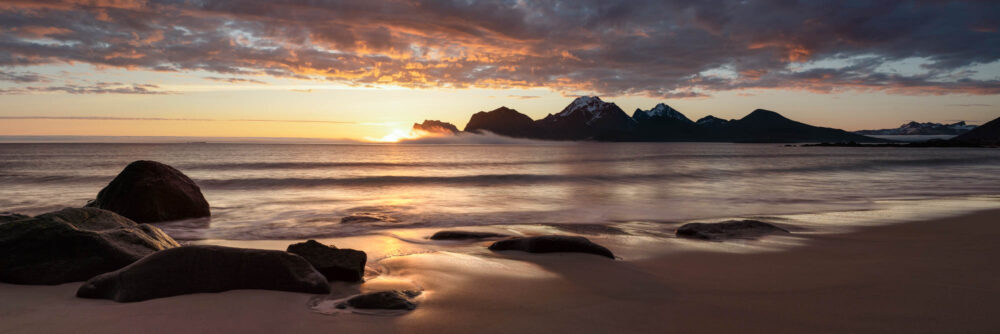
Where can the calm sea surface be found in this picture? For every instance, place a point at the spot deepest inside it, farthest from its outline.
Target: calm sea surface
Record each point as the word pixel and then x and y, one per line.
pixel 274 191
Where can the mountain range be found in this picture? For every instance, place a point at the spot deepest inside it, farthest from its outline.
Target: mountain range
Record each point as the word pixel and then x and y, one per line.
pixel 590 118
pixel 923 129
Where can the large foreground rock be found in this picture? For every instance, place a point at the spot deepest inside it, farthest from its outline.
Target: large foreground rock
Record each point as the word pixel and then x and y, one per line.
pixel 149 192
pixel 733 229
pixel 552 244
pixel 195 269
pixel 73 244
pixel 335 264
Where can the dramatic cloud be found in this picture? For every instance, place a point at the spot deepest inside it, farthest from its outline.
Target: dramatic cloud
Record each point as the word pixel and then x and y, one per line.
pixel 236 80
pixel 677 49
pixel 23 77
pixel 97 88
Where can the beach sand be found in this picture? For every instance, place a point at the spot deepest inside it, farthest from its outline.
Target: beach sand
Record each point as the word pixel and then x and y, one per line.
pixel 931 276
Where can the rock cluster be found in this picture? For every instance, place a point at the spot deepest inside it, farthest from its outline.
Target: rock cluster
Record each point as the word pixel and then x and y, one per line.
pixel 73 244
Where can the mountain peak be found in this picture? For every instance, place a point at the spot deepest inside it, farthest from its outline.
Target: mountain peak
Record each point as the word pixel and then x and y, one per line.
pixel 661 110
pixel 764 114
pixel 583 103
pixel 502 121
pixel 711 120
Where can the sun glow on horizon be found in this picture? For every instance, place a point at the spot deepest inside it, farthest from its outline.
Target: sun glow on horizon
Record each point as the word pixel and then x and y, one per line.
pixel 398 135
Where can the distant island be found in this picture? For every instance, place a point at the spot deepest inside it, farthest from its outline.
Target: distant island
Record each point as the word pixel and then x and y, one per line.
pixel 986 135
pixel 921 129
pixel 590 118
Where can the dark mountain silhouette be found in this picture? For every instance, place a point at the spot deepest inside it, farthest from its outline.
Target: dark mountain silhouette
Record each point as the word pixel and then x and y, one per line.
pixel 663 123
pixel 711 121
pixel 767 126
pixel 503 121
pixel 586 117
pixel 590 118
pixel 925 129
pixel 660 112
pixel 986 134
pixel 434 126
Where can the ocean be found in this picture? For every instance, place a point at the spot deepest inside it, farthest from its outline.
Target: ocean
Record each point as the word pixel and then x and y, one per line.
pixel 278 191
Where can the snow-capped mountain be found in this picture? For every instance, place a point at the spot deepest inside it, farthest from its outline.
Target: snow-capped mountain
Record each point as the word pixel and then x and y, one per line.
pixel 926 128
pixel 586 117
pixel 661 110
pixel 590 108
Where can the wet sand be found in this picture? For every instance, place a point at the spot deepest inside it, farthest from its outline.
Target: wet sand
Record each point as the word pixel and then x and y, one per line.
pixel 921 277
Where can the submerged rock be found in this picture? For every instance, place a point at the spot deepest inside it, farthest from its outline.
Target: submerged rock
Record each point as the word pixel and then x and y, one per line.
pixel 336 264
pixel 552 244
pixel 149 192
pixel 465 235
pixel 383 300
pixel 733 229
pixel 196 269
pixel 73 244
pixel 362 218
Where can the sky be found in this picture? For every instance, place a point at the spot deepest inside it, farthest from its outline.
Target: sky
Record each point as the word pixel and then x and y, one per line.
pixel 364 69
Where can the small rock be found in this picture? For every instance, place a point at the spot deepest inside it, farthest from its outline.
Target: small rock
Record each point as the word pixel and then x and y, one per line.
pixel 336 264
pixel 733 229
pixel 196 269
pixel 149 192
pixel 464 235
pixel 73 244
pixel 384 300
pixel 552 244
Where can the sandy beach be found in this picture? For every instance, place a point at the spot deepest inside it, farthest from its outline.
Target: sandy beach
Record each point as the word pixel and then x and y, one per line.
pixel 929 276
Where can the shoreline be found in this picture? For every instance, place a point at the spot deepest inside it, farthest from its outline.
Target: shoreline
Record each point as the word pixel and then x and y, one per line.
pixel 929 275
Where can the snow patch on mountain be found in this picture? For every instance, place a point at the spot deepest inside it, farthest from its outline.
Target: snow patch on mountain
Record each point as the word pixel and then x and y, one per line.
pixel 660 110
pixel 925 128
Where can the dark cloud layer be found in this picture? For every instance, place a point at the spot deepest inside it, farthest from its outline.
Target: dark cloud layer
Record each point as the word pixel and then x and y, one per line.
pixel 685 48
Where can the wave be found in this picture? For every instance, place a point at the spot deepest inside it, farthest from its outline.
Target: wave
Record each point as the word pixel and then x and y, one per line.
pixel 483 180
pixel 377 164
pixel 756 169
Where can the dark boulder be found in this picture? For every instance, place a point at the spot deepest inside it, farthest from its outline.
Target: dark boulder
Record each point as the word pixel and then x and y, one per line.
pixel 149 192
pixel 552 244
pixel 73 244
pixel 197 269
pixel 465 235
pixel 733 229
pixel 336 264
pixel 383 300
